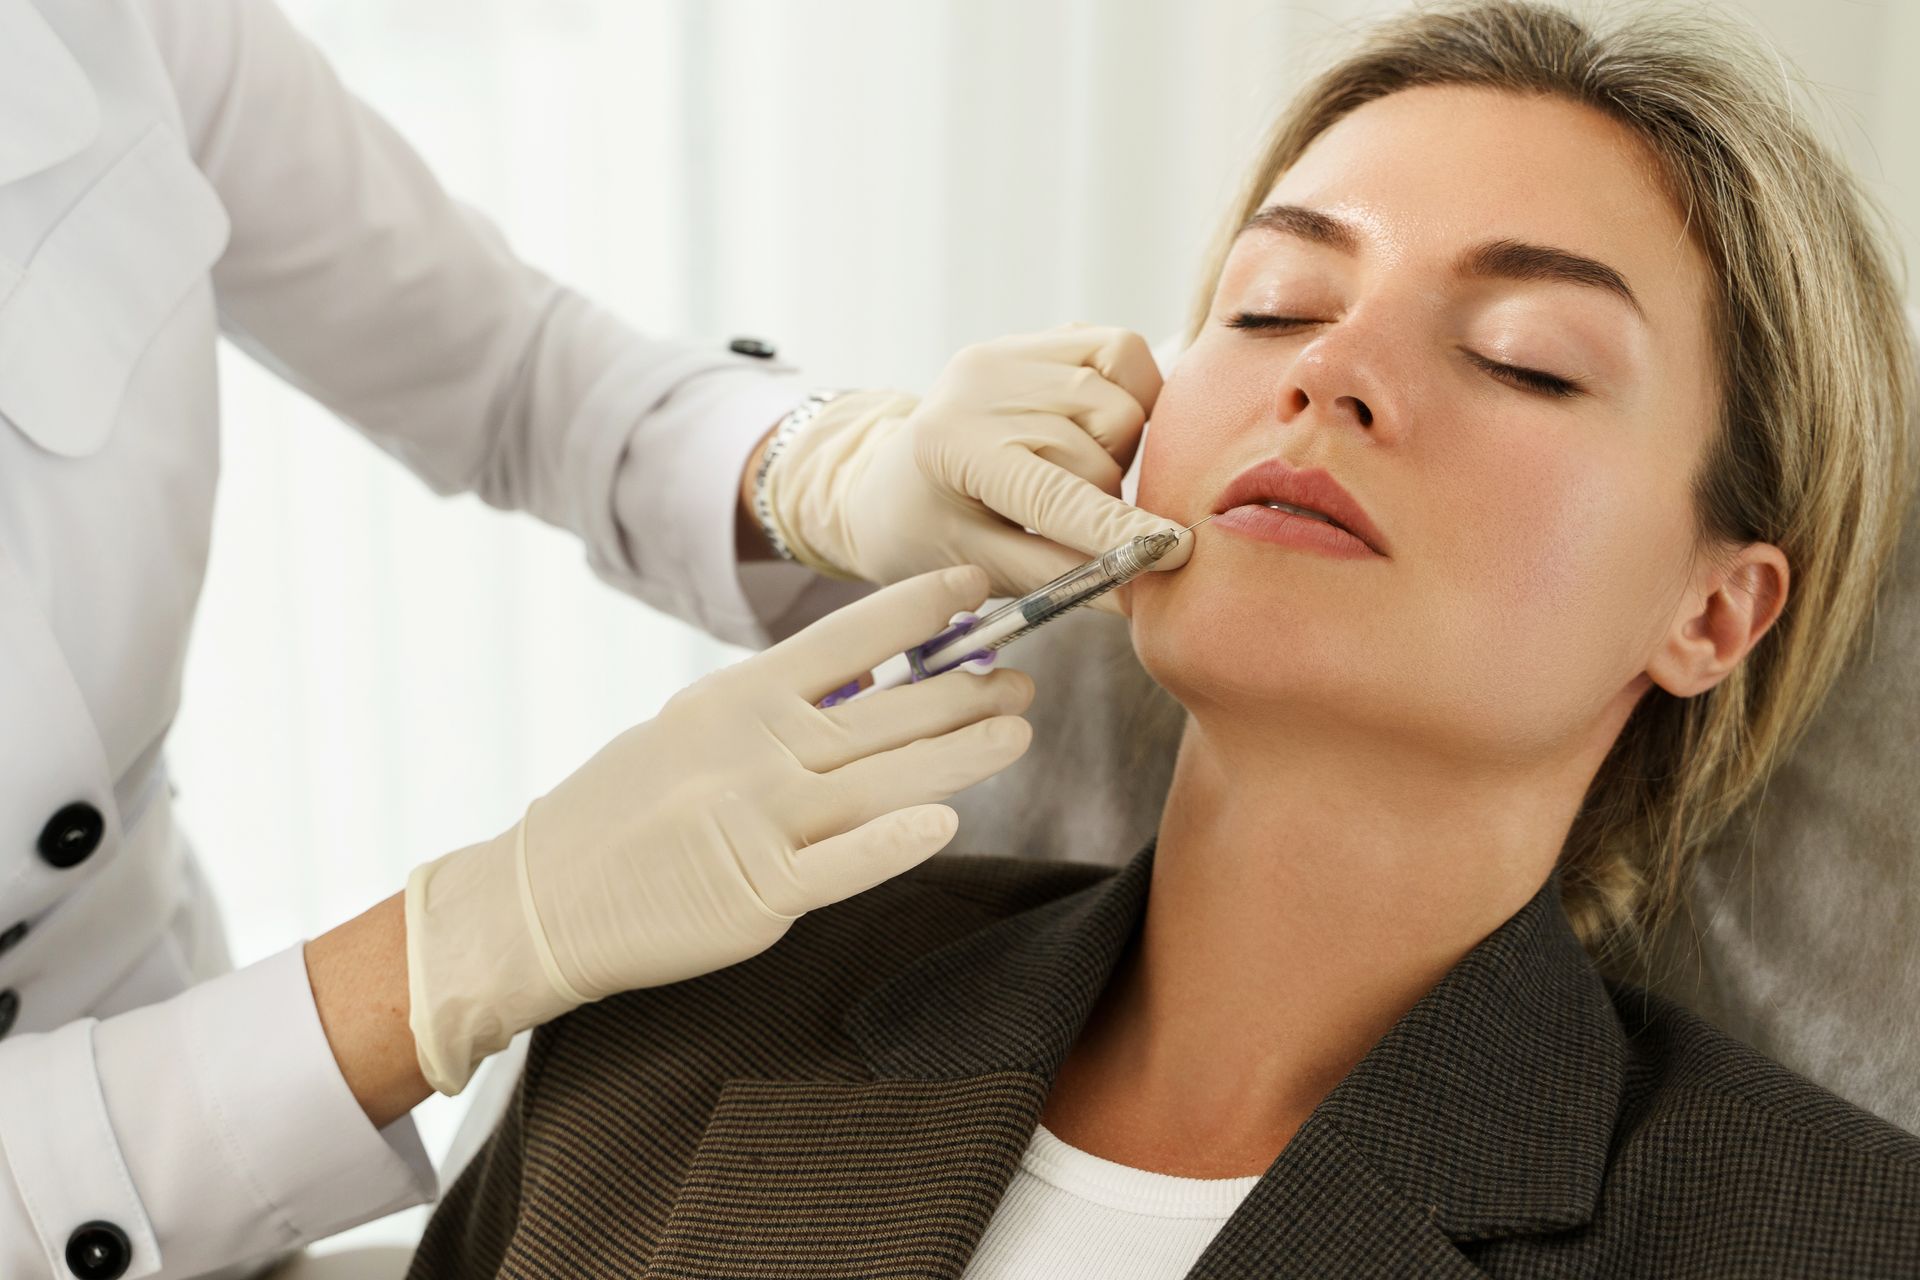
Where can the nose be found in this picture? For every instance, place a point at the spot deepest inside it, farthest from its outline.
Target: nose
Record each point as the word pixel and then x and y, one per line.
pixel 1339 373
pixel 1297 402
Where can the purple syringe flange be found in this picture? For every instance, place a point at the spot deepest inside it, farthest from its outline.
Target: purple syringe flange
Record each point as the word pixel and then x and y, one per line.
pixel 962 623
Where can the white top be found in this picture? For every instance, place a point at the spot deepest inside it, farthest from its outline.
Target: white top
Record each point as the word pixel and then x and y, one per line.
pixel 171 171
pixel 1069 1215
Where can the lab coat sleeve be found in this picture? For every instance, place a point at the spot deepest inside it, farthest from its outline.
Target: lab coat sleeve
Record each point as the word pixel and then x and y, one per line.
pixel 351 273
pixel 211 1128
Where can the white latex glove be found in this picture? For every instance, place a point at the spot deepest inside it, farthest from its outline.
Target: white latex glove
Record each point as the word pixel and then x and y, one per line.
pixel 692 841
pixel 1029 432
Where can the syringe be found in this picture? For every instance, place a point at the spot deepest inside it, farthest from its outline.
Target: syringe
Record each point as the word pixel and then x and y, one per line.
pixel 972 642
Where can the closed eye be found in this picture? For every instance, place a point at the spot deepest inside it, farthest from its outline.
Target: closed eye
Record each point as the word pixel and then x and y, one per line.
pixel 1255 320
pixel 1551 384
pixel 1536 380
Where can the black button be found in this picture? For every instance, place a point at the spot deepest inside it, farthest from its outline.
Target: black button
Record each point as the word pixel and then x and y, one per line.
pixel 71 835
pixel 99 1251
pixel 11 938
pixel 9 1010
pixel 758 347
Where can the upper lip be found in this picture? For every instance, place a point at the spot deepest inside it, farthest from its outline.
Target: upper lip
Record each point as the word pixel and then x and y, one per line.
pixel 1276 480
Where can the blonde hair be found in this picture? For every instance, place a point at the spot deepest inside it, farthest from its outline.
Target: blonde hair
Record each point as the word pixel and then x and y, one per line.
pixel 1814 451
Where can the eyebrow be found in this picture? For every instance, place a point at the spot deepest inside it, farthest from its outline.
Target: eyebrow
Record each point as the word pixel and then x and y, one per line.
pixel 1496 259
pixel 1306 224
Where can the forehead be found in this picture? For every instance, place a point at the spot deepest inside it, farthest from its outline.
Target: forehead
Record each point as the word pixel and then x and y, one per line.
pixel 1426 172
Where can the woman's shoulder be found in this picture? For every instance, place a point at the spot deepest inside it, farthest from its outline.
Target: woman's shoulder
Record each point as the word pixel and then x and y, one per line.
pixel 806 982
pixel 617 1097
pixel 923 909
pixel 1697 1097
pixel 1000 885
pixel 1718 1161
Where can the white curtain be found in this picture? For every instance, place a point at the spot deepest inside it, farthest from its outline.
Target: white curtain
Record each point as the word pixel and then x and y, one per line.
pixel 379 676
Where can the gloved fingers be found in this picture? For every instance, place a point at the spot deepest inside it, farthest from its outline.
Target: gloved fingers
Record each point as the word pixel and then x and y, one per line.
pixel 1019 562
pixel 1107 414
pixel 824 656
pixel 853 861
pixel 1046 435
pixel 1120 356
pixel 1016 561
pixel 922 772
pixel 893 718
pixel 1065 508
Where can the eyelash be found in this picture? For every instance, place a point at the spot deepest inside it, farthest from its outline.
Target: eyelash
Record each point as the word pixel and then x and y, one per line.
pixel 1534 380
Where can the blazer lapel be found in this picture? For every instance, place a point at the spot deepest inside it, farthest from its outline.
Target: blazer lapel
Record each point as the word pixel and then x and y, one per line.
pixel 1487 1111
pixel 1322 1210
pixel 831 1179
pixel 897 1175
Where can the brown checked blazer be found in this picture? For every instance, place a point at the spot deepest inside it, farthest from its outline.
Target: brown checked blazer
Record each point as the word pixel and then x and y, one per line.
pixel 854 1102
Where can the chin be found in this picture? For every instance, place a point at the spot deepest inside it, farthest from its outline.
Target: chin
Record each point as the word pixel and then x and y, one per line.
pixel 1206 645
pixel 1227 654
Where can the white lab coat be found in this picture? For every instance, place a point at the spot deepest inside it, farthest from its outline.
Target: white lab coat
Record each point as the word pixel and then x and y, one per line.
pixel 170 169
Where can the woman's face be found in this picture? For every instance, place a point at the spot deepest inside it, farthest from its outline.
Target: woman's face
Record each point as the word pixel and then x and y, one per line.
pixel 1535 530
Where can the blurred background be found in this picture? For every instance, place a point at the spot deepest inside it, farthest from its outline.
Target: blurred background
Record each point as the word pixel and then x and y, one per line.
pixel 379 676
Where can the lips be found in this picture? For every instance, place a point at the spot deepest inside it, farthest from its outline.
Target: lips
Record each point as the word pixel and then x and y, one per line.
pixel 1275 480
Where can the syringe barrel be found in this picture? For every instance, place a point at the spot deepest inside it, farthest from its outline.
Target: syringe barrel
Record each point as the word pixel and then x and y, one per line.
pixel 1096 577
pixel 1068 591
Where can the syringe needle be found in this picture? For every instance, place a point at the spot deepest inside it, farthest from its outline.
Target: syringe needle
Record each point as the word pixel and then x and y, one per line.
pixel 1197 523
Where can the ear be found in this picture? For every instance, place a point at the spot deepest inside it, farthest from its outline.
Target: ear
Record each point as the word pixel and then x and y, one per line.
pixel 1723 615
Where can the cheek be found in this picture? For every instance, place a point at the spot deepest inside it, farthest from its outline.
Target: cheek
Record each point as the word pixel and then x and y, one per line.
pixel 1520 530
pixel 1170 452
pixel 1208 400
pixel 1555 567
pixel 1552 532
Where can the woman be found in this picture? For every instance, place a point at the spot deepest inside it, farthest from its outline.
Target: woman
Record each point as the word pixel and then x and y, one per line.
pixel 172 170
pixel 1585 349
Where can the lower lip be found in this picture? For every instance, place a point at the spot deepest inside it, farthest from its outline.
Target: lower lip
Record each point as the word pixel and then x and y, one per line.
pixel 1289 530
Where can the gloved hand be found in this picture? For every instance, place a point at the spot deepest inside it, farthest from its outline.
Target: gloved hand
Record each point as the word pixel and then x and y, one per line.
pixel 692 841
pixel 1029 432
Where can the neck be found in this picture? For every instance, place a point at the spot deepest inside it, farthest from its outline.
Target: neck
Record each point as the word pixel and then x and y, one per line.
pixel 1306 893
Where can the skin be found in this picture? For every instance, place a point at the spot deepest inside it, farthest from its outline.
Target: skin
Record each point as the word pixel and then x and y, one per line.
pixel 358 972
pixel 1383 757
